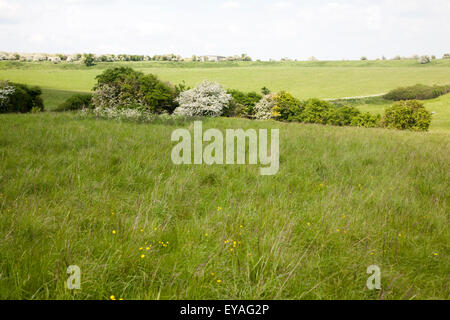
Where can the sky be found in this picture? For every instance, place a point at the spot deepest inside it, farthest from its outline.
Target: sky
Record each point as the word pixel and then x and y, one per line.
pixel 263 29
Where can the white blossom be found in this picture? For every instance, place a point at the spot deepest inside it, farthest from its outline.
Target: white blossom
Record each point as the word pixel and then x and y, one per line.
pixel 5 92
pixel 263 109
pixel 206 99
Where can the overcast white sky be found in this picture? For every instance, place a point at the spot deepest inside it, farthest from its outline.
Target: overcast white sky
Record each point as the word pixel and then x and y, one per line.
pixel 261 28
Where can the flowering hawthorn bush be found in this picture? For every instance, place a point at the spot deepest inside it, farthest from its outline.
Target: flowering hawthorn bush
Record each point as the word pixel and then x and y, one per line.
pixel 263 109
pixel 206 99
pixel 5 92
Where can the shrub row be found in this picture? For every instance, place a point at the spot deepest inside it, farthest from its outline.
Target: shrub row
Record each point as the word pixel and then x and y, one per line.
pixel 417 92
pixel 284 107
pixel 126 89
pixel 16 97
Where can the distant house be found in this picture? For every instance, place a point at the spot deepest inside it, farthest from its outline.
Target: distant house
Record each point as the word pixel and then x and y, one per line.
pixel 212 58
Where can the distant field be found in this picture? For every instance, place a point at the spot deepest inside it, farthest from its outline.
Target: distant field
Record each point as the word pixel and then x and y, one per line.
pixel 303 79
pixel 321 79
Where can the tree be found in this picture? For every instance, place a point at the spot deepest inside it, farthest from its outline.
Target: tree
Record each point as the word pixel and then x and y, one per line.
pixel 89 60
pixel 265 91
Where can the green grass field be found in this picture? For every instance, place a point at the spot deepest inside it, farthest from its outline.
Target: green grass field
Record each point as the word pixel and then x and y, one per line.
pixel 344 199
pixel 302 79
pixel 92 193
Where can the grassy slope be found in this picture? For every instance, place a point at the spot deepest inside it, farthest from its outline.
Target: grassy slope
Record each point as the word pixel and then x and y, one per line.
pixel 344 199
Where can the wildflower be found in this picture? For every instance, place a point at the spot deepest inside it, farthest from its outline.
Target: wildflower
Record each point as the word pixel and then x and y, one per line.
pixel 338 230
pixel 241 226
pixel 142 256
pixel 142 230
pixel 344 216
pixel 114 232
pixel 121 299
pixel 399 235
pixel 112 297
pixel 206 234
pixel 148 248
pixel 112 213
pixel 372 253
pixel 212 274
pixel 219 281
pixel 140 249
pixel 308 224
pixel 155 228
pixel 435 254
pixel 219 208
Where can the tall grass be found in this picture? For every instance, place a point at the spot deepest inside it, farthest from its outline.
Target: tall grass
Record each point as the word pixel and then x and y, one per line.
pixel 344 199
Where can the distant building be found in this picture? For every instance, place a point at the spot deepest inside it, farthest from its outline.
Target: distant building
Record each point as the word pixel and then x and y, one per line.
pixel 212 58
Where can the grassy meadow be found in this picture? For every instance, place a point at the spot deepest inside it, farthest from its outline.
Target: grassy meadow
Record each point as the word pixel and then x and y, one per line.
pixel 105 195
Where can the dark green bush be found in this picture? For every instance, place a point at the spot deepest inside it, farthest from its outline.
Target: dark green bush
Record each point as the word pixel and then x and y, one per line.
pixel 76 102
pixel 242 104
pixel 407 115
pixel 417 92
pixel 114 76
pixel 133 88
pixel 287 108
pixel 23 100
pixel 89 60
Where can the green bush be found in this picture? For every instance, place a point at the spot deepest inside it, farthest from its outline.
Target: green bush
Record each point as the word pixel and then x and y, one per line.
pixel 316 111
pixel 366 120
pixel 126 88
pixel 286 108
pixel 242 104
pixel 76 102
pixel 417 92
pixel 342 116
pixel 407 115
pixel 21 99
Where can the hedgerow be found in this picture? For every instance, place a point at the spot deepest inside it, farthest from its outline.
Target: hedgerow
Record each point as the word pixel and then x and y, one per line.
pixel 417 92
pixel 128 94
